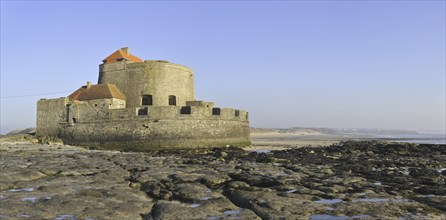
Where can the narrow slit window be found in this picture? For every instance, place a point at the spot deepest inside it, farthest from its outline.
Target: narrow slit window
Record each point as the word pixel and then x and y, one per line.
pixel 147 100
pixel 172 100
pixel 237 113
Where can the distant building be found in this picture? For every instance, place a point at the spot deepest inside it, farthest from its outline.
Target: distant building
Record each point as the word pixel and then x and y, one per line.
pixel 140 105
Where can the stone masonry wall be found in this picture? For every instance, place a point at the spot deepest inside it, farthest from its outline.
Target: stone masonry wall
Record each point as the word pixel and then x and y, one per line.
pixel 93 124
pixel 174 112
pixel 157 78
pixel 148 134
pixel 92 110
pixel 50 112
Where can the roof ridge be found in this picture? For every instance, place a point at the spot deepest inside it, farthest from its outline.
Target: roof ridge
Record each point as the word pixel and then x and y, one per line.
pixel 98 91
pixel 119 54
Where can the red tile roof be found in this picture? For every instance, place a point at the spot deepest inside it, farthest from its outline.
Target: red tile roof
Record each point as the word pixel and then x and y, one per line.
pixel 121 54
pixel 100 91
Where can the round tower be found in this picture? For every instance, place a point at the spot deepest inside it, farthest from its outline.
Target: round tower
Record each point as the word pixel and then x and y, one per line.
pixel 148 83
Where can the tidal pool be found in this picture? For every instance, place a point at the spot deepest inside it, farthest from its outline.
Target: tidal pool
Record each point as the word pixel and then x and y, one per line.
pixel 261 151
pixel 195 205
pixel 65 217
pixel 328 201
pixel 30 199
pixel 371 200
pixel 22 189
pixel 333 217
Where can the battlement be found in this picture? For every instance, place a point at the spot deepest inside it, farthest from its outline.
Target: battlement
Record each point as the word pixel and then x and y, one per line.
pixel 190 112
pixel 73 112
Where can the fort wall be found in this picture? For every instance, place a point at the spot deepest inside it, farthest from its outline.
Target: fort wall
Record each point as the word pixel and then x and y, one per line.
pixel 146 134
pixel 93 123
pixel 50 112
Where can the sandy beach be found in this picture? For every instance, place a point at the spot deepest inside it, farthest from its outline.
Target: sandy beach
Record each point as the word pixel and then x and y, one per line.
pixel 290 140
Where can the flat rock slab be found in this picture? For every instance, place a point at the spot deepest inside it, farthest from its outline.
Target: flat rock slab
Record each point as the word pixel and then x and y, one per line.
pixel 349 180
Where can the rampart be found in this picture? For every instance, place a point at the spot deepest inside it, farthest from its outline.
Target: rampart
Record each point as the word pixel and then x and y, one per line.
pixel 142 128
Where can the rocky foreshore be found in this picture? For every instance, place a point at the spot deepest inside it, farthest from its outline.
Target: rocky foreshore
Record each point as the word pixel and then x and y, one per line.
pixel 350 180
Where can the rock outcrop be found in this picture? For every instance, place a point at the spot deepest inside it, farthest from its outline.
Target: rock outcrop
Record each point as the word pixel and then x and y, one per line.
pixel 351 180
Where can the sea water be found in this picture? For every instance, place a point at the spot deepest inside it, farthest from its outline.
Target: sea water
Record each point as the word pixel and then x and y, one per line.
pixel 417 138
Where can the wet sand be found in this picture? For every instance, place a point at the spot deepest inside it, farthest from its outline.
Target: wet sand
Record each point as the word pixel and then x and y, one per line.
pixel 274 139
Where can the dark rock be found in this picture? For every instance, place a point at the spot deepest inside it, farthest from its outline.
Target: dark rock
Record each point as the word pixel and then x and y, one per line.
pixel 375 179
pixel 239 185
pixel 256 179
pixel 214 180
pixel 189 192
pixel 91 192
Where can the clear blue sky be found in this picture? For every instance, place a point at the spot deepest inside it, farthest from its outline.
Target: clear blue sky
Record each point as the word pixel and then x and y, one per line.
pixel 339 64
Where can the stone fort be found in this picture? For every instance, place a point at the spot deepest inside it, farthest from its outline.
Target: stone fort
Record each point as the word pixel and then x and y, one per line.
pixel 140 105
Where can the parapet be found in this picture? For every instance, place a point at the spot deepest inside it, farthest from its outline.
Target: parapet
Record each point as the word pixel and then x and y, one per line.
pixel 123 65
pixel 200 104
pixel 182 112
pixel 163 63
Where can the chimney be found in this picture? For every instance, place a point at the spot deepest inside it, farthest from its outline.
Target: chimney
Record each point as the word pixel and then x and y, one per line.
pixel 126 50
pixel 88 84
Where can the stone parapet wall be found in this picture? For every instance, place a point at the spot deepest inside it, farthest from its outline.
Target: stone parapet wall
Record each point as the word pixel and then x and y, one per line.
pixel 163 127
pixel 92 113
pixel 196 112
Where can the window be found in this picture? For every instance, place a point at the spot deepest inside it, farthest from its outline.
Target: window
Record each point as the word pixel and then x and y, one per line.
pixel 143 111
pixel 237 113
pixel 215 111
pixel 172 100
pixel 146 100
pixel 185 110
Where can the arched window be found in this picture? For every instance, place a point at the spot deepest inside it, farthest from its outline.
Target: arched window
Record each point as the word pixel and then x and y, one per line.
pixel 172 100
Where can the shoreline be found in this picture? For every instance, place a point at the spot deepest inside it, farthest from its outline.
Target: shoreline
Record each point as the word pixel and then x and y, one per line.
pixel 299 139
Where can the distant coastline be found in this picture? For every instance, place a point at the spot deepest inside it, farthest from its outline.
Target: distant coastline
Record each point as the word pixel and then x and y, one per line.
pixel 298 136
